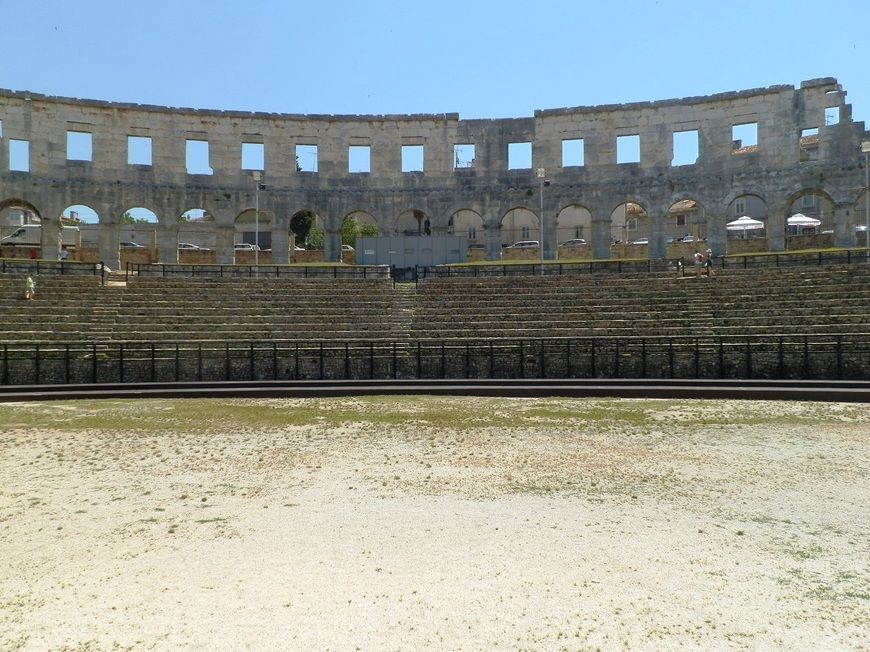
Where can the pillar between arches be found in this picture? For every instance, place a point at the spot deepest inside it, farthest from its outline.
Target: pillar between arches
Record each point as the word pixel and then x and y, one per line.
pixel 225 253
pixel 167 244
pixel 280 246
pixel 110 236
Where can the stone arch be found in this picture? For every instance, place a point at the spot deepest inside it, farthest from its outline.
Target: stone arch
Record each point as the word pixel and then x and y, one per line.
pixel 749 204
pixel 80 214
pixel 254 227
pixel 413 222
pixel 686 220
pixel 467 222
pixel 572 222
pixel 629 221
pixel 14 213
pixel 196 214
pixel 307 227
pixel 358 223
pixel 812 202
pixel 519 223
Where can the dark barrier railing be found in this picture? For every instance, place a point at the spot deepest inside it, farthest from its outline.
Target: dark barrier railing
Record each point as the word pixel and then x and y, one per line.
pixel 49 267
pixel 256 271
pixel 825 357
pixel 648 266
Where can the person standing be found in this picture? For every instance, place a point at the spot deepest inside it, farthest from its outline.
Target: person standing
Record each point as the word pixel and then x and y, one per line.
pixel 698 259
pixel 29 288
pixel 708 263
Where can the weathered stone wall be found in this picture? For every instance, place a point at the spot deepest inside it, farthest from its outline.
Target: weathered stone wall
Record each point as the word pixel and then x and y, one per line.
pixel 773 170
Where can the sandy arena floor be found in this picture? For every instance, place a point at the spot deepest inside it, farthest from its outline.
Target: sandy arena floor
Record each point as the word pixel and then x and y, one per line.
pixel 434 524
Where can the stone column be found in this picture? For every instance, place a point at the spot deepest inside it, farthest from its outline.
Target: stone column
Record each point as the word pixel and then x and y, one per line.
pixel 717 234
pixel 549 241
pixel 332 247
pixel 774 229
pixel 492 241
pixel 844 232
pixel 224 245
pixel 167 243
pixel 280 245
pixel 601 237
pixel 657 247
pixel 110 235
pixel 50 235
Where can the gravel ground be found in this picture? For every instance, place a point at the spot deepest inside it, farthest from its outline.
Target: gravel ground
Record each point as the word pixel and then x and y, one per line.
pixel 434 523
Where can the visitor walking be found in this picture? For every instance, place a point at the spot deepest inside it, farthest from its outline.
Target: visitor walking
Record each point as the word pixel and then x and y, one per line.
pixel 708 263
pixel 698 259
pixel 29 288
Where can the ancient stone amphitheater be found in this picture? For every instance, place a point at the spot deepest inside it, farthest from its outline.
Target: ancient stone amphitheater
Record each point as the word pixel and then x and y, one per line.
pixel 628 311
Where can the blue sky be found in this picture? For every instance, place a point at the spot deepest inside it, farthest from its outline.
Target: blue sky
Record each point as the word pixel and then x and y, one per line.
pixel 480 59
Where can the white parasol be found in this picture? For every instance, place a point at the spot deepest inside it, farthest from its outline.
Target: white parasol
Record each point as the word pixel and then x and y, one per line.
pixel 744 223
pixel 801 220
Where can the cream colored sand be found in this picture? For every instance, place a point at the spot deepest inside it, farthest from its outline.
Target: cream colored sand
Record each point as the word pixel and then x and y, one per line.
pixel 544 525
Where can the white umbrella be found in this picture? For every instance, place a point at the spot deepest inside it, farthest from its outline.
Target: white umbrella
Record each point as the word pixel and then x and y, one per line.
pixel 744 223
pixel 801 220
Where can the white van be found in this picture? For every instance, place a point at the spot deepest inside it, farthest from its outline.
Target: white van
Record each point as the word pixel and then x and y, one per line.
pixel 31 234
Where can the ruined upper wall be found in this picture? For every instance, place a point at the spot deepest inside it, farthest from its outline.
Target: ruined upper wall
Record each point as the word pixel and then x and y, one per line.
pixel 781 113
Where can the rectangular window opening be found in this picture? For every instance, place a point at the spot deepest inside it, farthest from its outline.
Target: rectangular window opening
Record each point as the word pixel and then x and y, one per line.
pixel 832 115
pixel 685 147
pixel 306 158
pixel 253 156
pixel 196 157
pixel 79 146
pixel 412 158
pixel 19 155
pixel 573 154
pixel 1 129
pixel 809 144
pixel 359 159
pixel 628 149
pixel 519 156
pixel 138 150
pixel 463 156
pixel 744 138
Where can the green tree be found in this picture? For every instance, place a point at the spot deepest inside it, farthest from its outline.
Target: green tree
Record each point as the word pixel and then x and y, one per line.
pixel 368 230
pixel 316 238
pixel 126 218
pixel 300 225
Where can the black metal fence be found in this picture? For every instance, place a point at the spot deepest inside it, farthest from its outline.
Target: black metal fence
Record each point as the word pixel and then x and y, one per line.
pixel 50 267
pixel 649 266
pixel 256 271
pixel 825 357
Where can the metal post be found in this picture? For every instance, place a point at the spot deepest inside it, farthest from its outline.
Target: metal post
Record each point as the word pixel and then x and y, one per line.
pixel 865 147
pixel 541 174
pixel 257 176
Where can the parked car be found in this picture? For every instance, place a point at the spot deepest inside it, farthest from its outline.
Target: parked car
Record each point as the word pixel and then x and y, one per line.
pixel 476 245
pixel 188 245
pixel 246 246
pixel 131 245
pixel 574 242
pixel 641 241
pixel 347 248
pixel 525 244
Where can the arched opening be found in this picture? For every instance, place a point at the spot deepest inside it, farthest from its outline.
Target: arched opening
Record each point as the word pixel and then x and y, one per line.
pixel 686 221
pixel 138 230
pixel 816 206
pixel 195 215
pixel 79 214
pixel 357 224
pixel 520 225
pixel 14 215
pixel 413 222
pixel 254 229
pixel 307 230
pixel 468 223
pixel 749 206
pixel 574 226
pixel 629 224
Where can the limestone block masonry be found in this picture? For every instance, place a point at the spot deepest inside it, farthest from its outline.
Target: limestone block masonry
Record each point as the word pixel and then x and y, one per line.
pixel 776 169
